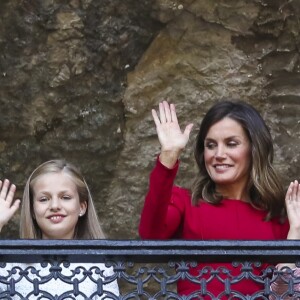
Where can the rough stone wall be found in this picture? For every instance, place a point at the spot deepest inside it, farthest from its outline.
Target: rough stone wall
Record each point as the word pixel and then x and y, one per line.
pixel 63 68
pixel 79 79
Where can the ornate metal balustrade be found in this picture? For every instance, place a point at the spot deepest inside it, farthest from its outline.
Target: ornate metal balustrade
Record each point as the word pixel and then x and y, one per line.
pixel 92 269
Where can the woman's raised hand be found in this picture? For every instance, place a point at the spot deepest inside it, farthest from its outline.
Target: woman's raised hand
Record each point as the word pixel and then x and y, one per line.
pixel 170 136
pixel 292 202
pixel 8 207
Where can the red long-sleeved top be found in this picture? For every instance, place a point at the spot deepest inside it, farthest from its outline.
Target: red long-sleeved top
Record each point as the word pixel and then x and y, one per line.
pixel 168 213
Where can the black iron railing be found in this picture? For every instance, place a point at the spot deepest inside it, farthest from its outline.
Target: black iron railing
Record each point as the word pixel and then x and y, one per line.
pixel 132 269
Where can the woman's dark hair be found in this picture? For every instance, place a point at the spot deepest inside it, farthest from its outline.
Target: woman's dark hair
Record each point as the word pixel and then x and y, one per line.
pixel 264 186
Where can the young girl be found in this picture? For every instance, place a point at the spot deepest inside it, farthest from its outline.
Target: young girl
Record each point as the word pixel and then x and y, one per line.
pixel 56 204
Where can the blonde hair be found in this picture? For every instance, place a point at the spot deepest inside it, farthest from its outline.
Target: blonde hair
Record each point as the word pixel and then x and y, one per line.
pixel 87 227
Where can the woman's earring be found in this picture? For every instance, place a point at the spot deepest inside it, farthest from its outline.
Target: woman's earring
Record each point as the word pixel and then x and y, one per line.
pixel 80 214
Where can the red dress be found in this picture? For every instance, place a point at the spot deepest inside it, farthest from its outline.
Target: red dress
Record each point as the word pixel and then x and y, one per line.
pixel 168 213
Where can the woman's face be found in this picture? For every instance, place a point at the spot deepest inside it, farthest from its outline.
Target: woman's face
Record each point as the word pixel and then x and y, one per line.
pixel 227 155
pixel 56 205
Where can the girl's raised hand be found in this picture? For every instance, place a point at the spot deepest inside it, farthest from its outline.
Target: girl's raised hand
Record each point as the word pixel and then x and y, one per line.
pixel 8 207
pixel 292 202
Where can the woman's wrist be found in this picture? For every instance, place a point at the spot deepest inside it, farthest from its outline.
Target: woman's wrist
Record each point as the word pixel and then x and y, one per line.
pixel 293 234
pixel 169 158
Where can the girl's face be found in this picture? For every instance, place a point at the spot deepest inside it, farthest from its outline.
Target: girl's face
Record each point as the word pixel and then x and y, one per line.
pixel 56 205
pixel 227 155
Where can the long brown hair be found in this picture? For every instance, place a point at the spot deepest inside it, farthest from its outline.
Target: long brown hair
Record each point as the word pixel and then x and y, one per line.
pixel 264 187
pixel 88 226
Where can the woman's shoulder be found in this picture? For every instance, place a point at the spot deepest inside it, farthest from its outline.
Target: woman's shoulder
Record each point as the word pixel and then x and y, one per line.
pixel 181 197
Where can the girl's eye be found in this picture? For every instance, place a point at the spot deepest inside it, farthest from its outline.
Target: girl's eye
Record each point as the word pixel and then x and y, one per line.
pixel 43 199
pixel 66 197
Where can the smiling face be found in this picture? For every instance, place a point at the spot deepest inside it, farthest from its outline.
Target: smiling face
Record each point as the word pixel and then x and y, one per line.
pixel 227 158
pixel 56 205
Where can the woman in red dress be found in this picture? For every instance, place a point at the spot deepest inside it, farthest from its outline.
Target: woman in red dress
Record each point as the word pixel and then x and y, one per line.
pixel 236 195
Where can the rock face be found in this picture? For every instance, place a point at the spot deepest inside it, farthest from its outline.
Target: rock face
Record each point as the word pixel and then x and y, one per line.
pixel 79 79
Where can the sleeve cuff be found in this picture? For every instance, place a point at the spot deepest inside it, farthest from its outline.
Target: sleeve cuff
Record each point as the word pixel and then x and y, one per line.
pixel 160 165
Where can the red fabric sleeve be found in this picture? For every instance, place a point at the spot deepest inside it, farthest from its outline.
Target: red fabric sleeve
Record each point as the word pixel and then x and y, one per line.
pixel 161 217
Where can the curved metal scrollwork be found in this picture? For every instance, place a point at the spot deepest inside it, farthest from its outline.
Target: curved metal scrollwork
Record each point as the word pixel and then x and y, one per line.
pixel 130 270
pixel 58 279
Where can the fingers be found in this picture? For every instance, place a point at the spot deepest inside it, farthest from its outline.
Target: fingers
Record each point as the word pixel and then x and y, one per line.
pixel 188 130
pixel 293 195
pixel 7 191
pixel 293 192
pixel 173 113
pixel 292 200
pixel 11 193
pixel 15 206
pixel 162 114
pixel 167 113
pixel 155 117
pixel 288 193
pixel 4 189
